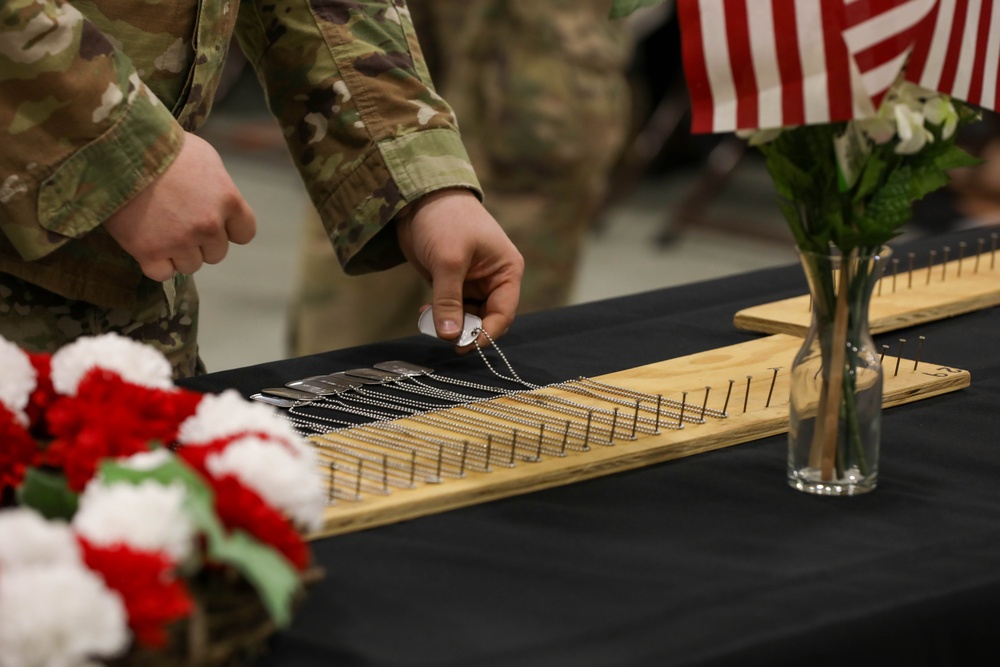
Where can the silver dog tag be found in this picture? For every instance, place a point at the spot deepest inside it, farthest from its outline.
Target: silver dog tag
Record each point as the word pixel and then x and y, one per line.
pixel 289 393
pixel 470 328
pixel 373 375
pixel 274 400
pixel 313 387
pixel 403 368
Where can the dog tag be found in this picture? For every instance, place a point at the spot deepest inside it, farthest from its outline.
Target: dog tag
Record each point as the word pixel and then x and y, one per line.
pixel 274 400
pixel 312 386
pixel 288 392
pixel 470 328
pixel 373 374
pixel 339 380
pixel 403 368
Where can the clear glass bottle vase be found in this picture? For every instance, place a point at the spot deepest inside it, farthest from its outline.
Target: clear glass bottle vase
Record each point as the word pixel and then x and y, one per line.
pixel 836 379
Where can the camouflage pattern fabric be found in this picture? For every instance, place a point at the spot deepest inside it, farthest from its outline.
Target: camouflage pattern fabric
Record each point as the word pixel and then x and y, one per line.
pixel 96 95
pixel 540 92
pixel 42 321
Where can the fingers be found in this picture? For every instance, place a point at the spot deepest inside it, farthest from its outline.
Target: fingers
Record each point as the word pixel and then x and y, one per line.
pixel 449 235
pixel 241 225
pixel 160 270
pixel 186 217
pixel 187 262
pixel 447 281
pixel 501 308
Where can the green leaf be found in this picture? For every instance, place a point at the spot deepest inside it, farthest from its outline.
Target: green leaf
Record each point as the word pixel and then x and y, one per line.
pixel 789 180
pixel 954 157
pixel 621 8
pixel 270 573
pixel 47 493
pixel 870 177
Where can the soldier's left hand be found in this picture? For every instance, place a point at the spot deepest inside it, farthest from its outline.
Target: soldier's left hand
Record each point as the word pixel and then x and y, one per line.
pixel 472 266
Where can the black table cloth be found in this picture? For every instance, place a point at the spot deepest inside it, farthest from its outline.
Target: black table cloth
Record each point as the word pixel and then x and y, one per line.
pixel 707 560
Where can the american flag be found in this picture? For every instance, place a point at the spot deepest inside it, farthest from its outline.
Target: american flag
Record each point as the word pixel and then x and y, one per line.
pixel 771 63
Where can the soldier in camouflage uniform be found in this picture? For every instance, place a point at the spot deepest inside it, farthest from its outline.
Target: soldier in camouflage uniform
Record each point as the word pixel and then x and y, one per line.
pixel 108 201
pixel 540 91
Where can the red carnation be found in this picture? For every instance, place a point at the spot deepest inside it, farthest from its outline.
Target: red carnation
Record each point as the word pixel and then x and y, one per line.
pixel 18 450
pixel 153 597
pixel 241 508
pixel 111 418
pixel 44 394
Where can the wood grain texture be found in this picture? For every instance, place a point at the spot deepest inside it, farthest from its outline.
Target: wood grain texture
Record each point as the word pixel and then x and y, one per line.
pixel 899 301
pixel 765 414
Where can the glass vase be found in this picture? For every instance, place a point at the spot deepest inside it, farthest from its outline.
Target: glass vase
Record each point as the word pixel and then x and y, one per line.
pixel 836 379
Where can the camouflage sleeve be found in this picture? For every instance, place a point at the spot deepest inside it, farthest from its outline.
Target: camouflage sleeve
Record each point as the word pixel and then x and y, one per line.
pixel 79 133
pixel 365 127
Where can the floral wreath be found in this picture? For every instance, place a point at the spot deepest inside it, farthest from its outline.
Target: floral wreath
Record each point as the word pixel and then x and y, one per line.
pixel 121 495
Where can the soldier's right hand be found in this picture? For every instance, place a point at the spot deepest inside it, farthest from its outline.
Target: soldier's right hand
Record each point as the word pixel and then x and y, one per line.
pixel 186 217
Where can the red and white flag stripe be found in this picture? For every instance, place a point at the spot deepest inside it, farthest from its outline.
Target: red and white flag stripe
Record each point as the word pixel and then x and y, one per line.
pixel 957 51
pixel 769 63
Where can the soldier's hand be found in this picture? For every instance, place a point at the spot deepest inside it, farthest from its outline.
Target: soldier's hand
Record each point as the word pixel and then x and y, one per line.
pixel 471 264
pixel 186 217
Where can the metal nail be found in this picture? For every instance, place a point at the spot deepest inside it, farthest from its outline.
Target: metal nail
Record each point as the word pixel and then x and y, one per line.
pixel 770 391
pixel 728 394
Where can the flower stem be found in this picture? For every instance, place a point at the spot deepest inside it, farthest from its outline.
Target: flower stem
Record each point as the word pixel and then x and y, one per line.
pixel 825 438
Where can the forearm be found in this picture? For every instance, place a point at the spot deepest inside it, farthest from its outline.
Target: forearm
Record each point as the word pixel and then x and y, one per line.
pixel 80 133
pixel 364 125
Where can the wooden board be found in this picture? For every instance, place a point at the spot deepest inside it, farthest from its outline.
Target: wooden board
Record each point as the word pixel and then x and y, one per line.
pixel 757 407
pixel 899 301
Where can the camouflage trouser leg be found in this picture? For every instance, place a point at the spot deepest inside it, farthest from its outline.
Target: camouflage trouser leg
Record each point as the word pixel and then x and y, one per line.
pixel 42 321
pixel 332 310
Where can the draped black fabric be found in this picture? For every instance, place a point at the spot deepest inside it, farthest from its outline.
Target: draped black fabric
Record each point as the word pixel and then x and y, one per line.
pixel 707 560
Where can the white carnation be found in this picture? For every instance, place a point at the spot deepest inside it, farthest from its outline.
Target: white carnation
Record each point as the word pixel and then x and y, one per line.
pixel 17 380
pixel 149 516
pixel 58 616
pixel 229 414
pixel 145 461
pixel 26 538
pixel 135 362
pixel 286 481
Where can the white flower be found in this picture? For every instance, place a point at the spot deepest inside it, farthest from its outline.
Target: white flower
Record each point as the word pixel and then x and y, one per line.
pixel 54 612
pixel 229 414
pixel 760 137
pixel 26 538
pixel 286 481
pixel 145 461
pixel 17 379
pixel 940 111
pixel 58 615
pixel 913 136
pixel 881 128
pixel 135 362
pixel 149 516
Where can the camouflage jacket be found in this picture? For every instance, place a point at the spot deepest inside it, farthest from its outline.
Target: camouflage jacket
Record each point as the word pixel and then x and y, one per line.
pixel 95 97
